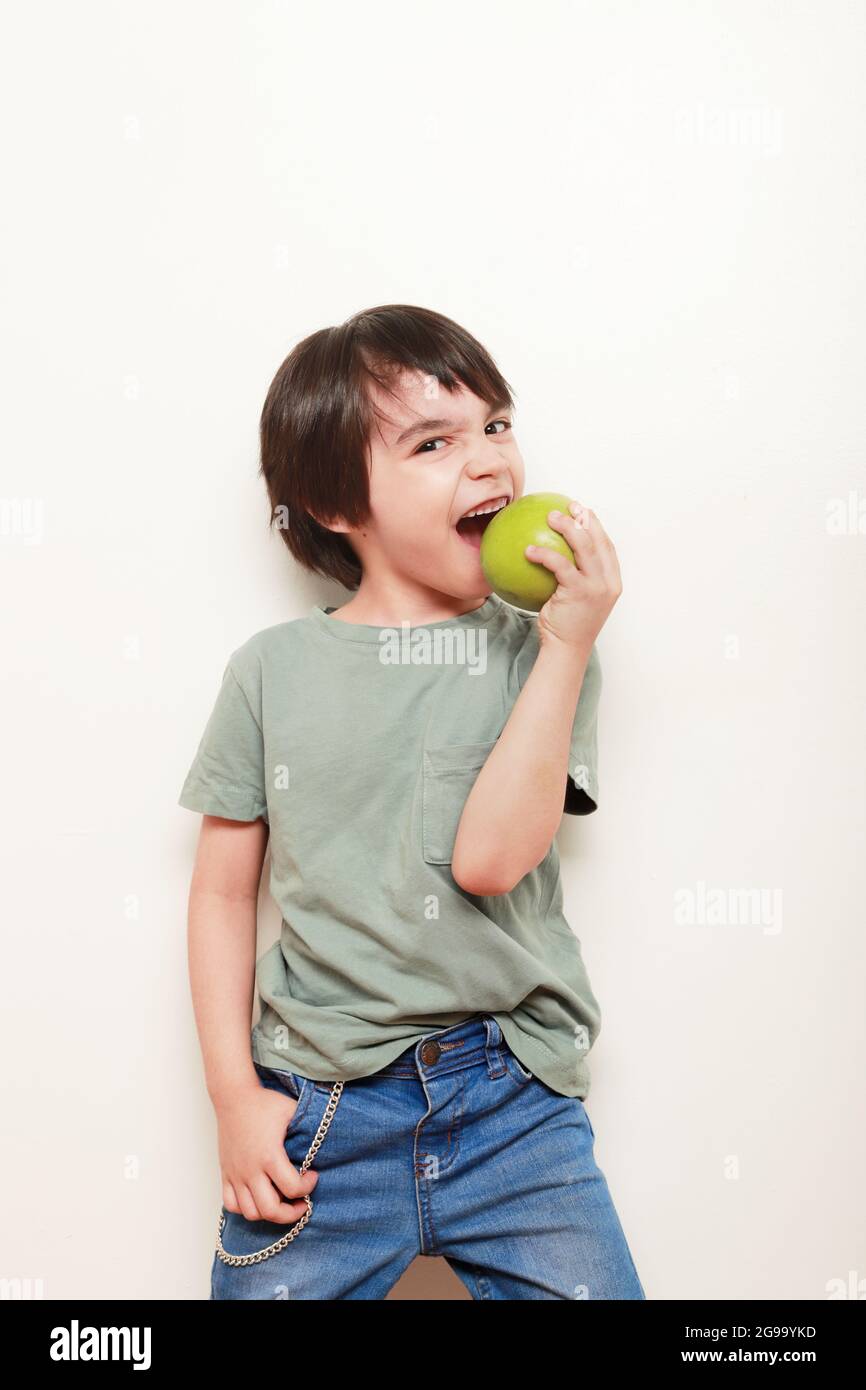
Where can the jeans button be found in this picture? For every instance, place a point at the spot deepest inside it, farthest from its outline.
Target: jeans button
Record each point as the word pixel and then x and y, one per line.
pixel 430 1053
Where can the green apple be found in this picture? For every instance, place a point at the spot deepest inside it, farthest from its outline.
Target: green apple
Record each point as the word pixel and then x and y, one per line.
pixel 522 582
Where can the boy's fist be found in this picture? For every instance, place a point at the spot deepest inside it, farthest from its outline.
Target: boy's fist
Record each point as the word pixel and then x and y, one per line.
pixel 257 1174
pixel 586 590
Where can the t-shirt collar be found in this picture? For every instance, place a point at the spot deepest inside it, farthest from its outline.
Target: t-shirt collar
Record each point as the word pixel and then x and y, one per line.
pixel 372 632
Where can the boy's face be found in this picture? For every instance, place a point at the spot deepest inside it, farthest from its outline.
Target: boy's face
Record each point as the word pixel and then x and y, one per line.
pixel 435 456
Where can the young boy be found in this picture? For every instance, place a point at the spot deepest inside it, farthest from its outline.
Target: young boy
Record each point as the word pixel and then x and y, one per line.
pixel 426 1014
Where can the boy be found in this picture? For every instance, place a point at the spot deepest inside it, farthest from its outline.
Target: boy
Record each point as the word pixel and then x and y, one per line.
pixel 426 1014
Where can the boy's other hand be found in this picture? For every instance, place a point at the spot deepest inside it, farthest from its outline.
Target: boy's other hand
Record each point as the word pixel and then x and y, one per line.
pixel 257 1175
pixel 586 590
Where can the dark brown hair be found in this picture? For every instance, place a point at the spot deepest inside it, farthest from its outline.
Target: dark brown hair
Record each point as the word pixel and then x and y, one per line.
pixel 317 420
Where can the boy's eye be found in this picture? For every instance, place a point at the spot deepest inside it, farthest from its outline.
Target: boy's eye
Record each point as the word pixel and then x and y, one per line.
pixel 439 440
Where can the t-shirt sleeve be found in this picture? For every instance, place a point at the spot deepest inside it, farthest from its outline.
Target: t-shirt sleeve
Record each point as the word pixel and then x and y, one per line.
pixel 581 789
pixel 227 776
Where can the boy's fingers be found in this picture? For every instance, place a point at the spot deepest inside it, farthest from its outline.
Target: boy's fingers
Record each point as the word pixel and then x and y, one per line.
pixel 563 568
pixel 288 1180
pixel 246 1202
pixel 601 538
pixel 579 538
pixel 586 517
pixel 271 1203
pixel 602 546
pixel 613 570
pixel 607 552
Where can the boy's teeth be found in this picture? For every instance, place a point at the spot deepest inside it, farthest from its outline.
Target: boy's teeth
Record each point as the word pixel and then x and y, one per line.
pixel 491 507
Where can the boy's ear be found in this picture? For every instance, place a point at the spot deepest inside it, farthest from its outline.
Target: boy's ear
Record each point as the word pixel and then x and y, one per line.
pixel 335 523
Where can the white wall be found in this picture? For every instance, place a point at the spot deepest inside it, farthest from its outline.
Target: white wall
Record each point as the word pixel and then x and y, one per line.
pixel 653 216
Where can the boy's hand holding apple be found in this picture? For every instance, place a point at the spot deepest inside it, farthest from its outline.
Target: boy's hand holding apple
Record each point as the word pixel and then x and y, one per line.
pixel 560 565
pixel 587 587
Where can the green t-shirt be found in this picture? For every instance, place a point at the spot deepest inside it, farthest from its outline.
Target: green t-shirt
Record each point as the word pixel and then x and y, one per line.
pixel 359 745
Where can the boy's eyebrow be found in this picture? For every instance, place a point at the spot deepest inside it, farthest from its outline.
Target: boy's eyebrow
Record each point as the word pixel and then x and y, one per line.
pixel 425 426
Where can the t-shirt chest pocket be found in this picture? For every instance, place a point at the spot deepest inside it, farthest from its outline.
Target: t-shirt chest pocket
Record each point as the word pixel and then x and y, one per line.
pixel 448 776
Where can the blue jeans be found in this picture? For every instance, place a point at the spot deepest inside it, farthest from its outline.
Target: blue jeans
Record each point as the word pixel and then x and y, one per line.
pixel 453 1149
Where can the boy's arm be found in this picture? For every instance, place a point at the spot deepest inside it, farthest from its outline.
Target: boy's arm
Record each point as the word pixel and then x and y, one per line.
pixel 223 897
pixel 516 803
pixel 515 806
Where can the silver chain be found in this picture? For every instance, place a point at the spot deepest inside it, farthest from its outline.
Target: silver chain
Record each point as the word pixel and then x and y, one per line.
pixel 278 1245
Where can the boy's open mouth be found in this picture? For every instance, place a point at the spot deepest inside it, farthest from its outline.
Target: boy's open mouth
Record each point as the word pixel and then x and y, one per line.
pixel 471 528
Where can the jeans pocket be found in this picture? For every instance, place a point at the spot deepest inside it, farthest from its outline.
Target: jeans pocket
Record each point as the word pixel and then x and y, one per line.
pixel 293 1084
pixel 516 1067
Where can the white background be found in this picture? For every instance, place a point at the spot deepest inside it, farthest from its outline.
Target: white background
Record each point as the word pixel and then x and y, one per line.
pixel 653 217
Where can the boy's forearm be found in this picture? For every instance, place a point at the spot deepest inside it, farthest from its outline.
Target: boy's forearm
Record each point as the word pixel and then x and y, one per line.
pixel 222 960
pixel 516 803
